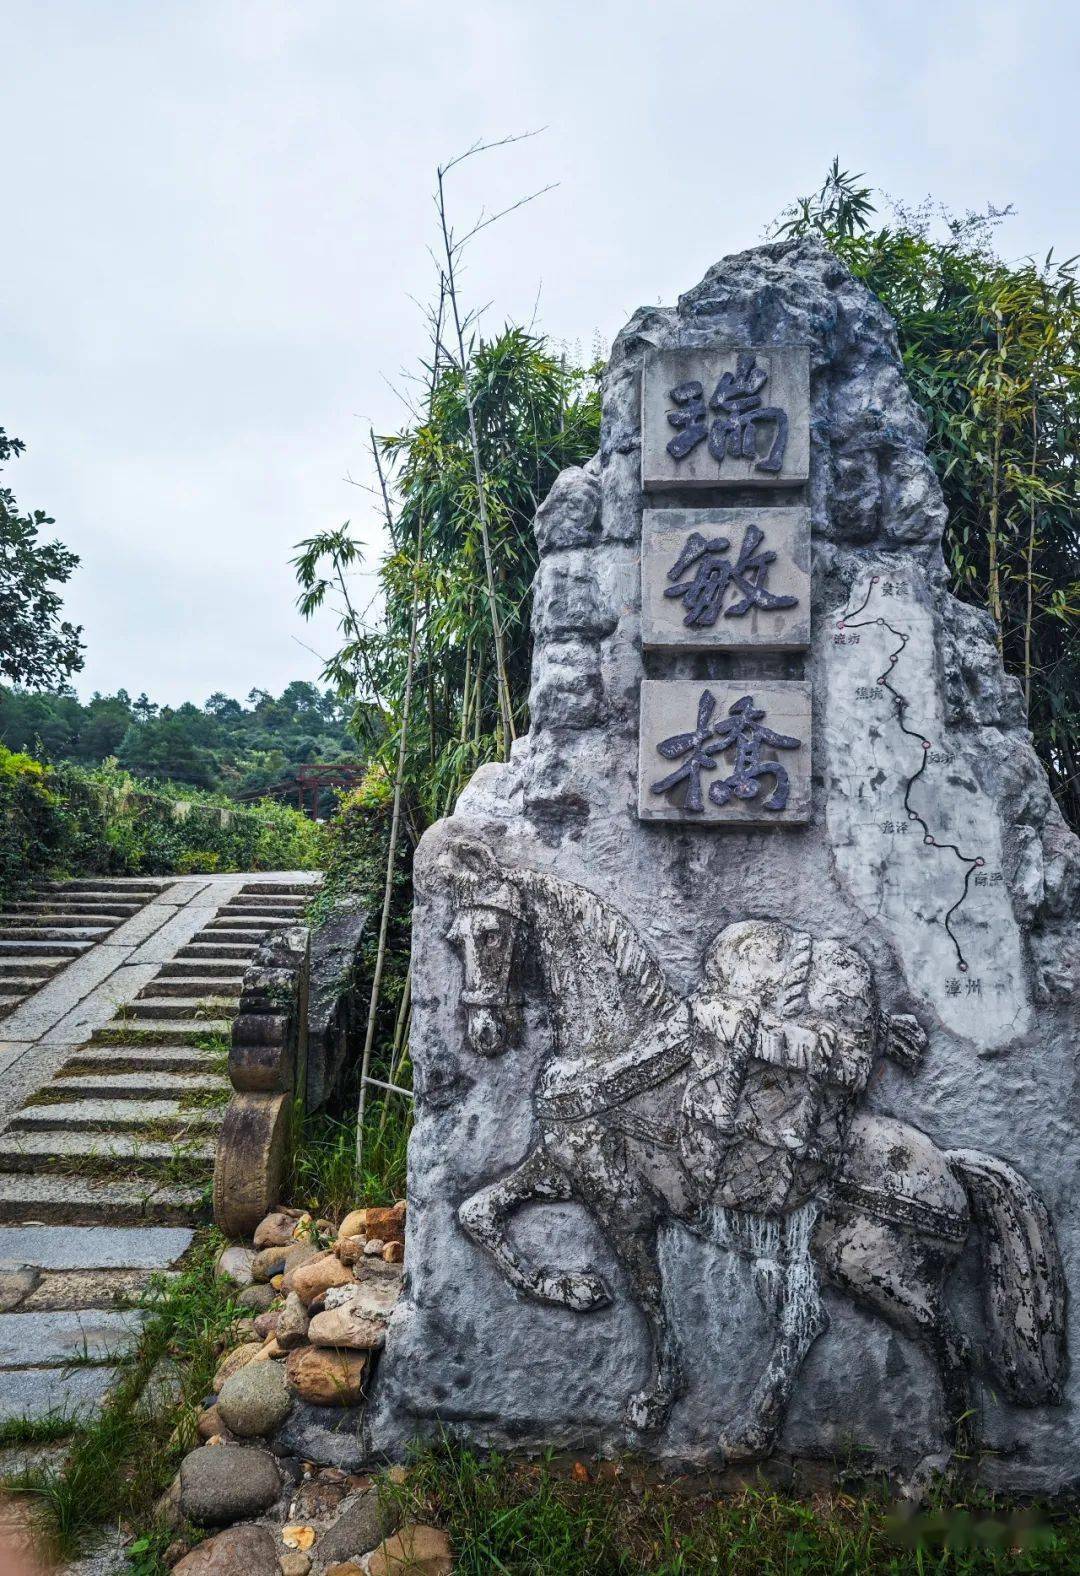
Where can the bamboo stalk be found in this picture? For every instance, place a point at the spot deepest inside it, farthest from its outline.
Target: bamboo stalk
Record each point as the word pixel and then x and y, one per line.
pixel 399 781
pixel 1030 569
pixel 450 285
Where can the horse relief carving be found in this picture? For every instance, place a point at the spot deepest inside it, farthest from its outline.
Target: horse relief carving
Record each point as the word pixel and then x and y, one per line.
pixel 737 1113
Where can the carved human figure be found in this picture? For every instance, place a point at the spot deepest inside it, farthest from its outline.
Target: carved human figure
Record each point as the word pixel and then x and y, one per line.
pixel 644 1117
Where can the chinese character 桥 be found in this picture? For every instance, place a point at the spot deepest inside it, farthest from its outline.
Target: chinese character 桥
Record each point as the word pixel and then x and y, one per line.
pixel 740 730
pixel 703 595
pixel 733 430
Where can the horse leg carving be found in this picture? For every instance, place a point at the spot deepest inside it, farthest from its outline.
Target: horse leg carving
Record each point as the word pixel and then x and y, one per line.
pixel 484 1216
pixel 631 1231
pixel 891 1273
pixel 802 1318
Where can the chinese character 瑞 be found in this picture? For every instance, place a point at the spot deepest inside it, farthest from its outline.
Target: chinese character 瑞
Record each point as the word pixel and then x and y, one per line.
pixel 704 594
pixel 734 429
pixel 740 730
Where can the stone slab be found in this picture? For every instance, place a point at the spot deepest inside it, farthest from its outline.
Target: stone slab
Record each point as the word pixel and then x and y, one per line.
pixel 54 1392
pixel 41 1339
pixel 787 388
pixel 671 710
pixel 95 1247
pixel 681 549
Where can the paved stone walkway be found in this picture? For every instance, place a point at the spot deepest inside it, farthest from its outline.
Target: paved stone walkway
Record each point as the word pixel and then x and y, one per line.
pixel 111 1092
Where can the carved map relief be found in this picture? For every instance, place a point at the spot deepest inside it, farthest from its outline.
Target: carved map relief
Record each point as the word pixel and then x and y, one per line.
pixel 917 837
pixel 725 578
pixel 724 753
pixel 725 418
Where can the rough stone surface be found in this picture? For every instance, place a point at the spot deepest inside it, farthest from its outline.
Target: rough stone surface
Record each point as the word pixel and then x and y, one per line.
pixel 326 1377
pixel 17 1281
pixel 315 1279
pixel 234 1360
pixel 958 1201
pixel 254 1401
pixel 220 1484
pixel 258 1298
pixel 234 1264
pixel 357 1530
pixel 239 1551
pixel 357 1316
pixel 354 1224
pixel 274 1231
pixel 330 1434
pixel 416 1549
pixel 292 1323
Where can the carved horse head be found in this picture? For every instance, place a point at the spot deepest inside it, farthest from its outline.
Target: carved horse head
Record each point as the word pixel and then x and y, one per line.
pixel 487 929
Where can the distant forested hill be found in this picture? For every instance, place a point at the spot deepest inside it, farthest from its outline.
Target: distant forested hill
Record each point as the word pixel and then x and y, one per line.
pixel 223 744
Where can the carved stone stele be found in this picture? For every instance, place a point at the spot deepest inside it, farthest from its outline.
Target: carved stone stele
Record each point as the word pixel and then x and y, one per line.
pixel 729 1139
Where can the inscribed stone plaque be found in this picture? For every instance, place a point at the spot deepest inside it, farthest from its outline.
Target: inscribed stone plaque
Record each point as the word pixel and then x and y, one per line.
pixel 723 752
pixel 718 578
pixel 736 417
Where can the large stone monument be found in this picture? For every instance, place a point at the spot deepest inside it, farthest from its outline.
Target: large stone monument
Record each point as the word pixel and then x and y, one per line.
pixel 744 993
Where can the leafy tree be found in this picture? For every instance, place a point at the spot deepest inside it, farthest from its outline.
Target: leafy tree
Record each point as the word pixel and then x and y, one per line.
pixel 992 352
pixel 37 647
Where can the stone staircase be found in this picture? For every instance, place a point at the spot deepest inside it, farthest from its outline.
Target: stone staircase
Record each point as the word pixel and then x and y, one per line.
pixel 105 1161
pixel 61 920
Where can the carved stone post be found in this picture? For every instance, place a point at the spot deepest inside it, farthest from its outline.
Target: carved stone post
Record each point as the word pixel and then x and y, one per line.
pixel 267 1068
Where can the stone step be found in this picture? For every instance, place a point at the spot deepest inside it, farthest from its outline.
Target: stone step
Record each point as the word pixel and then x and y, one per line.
pixel 182 1031
pixel 116 1115
pixel 144 886
pixel 108 1082
pixel 39 947
pixel 256 903
pixel 38 968
pixel 145 1009
pixel 76 905
pixel 54 1339
pixel 197 950
pixel 196 986
pixel 282 888
pixel 142 1058
pixel 270 914
pixel 201 969
pixel 101 1153
pixel 46 932
pixel 7 1003
pixel 83 1201
pixel 244 929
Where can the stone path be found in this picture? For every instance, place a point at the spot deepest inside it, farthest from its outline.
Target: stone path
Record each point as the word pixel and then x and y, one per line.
pixel 112 1087
pixel 40 935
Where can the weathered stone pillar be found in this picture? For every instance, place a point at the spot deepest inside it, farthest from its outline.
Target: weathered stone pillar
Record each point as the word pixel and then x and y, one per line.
pixel 744 1125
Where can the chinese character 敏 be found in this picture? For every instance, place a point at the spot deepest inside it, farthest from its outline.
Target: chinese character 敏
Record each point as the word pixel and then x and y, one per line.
pixel 742 731
pixel 733 430
pixel 703 595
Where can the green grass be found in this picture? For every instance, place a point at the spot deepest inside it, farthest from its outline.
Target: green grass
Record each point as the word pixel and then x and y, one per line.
pixel 532 1519
pixel 35 1430
pixel 123 1458
pixel 324 1176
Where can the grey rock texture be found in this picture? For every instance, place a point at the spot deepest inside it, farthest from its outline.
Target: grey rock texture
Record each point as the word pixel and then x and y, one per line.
pixel 239 1551
pixel 256 1400
pixel 468 1352
pixel 220 1484
pixel 359 1527
pixel 329 1434
pixel 334 1000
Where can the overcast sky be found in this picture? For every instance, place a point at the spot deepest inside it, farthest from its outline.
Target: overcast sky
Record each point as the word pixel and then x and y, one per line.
pixel 216 215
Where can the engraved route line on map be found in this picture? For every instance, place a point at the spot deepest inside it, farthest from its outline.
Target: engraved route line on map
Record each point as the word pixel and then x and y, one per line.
pixel 900 703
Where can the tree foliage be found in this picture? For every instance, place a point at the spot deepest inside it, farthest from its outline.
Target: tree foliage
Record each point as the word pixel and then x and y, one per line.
pixel 223 744
pixel 992 351
pixel 37 647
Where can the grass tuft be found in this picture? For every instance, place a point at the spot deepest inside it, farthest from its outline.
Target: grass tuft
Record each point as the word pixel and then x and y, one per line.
pixel 531 1519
